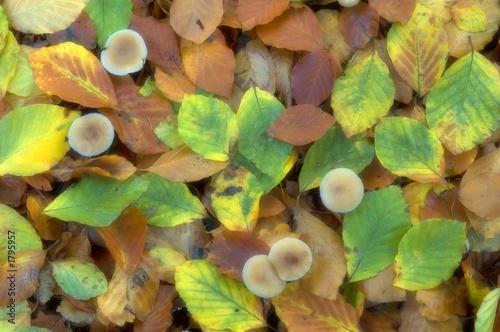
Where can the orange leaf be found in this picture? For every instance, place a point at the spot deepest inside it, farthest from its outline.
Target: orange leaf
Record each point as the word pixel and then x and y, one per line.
pixel 481 195
pixel 257 12
pixel 230 17
pixel 303 311
pixel 210 65
pixel 183 165
pixel 160 39
pixel 359 24
pixel 174 83
pixel 196 20
pixel 125 238
pixel 296 29
pixel 394 10
pixel 313 77
pixel 301 124
pixel 137 117
pixel 231 249
pixel 270 206
pixel 161 316
pixel 47 227
pixel 71 72
pixel 142 287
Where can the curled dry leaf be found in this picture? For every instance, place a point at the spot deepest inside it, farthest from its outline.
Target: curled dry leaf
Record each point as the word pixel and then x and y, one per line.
pixel 301 124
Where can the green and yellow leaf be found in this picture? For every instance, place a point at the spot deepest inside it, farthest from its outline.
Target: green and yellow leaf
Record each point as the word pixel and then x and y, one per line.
pixel 8 61
pixel 16 228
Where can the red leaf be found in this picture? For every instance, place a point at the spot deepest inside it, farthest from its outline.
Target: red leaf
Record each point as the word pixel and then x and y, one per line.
pixel 359 24
pixel 313 77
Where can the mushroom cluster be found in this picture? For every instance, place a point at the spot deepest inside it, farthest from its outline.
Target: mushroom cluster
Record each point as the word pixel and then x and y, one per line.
pixel 266 275
pixel 125 52
pixel 341 190
pixel 91 134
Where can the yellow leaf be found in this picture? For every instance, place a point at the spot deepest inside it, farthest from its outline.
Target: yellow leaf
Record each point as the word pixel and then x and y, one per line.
pixel 469 17
pixel 33 139
pixel 42 16
pixel 8 61
pixel 23 83
pixel 71 72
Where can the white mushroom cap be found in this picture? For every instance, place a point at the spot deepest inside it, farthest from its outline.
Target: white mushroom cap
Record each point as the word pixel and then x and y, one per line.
pixel 291 257
pixel 260 277
pixel 91 134
pixel 341 190
pixel 125 52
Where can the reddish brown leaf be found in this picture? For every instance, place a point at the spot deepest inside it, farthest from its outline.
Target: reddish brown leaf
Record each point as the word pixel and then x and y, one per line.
pixel 359 24
pixel 270 206
pixel 296 29
pixel 21 278
pixel 11 190
pixel 82 32
pixel 161 317
pixel 304 311
pixel 257 12
pixel 174 83
pixel 375 176
pixel 231 249
pixel 313 77
pixel 125 238
pixel 210 65
pixel 301 124
pixel 160 39
pixel 51 322
pixel 394 10
pixel 137 117
pixel 40 181
pixel 109 165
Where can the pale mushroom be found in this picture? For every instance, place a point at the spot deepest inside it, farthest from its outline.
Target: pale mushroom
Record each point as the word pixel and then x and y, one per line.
pixel 260 277
pixel 125 52
pixel 91 134
pixel 291 257
pixel 341 190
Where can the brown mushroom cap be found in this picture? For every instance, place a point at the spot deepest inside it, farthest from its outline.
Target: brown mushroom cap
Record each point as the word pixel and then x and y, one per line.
pixel 125 52
pixel 341 190
pixel 291 258
pixel 261 278
pixel 91 134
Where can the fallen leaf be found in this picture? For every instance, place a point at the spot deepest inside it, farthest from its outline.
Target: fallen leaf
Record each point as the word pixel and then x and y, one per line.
pixel 359 24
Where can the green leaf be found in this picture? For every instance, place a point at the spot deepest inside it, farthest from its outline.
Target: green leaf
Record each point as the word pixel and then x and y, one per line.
pixel 486 315
pixel 108 17
pixel 371 235
pixel 167 131
pixel 22 311
pixel 167 203
pixel 216 301
pixel 4 28
pixel 23 83
pixel 32 138
pixel 407 148
pixel 80 279
pixel 258 110
pixel 18 230
pixel 429 253
pixel 8 59
pixel 235 199
pixel 96 201
pixel 334 150
pixel 363 95
pixel 463 108
pixel 208 126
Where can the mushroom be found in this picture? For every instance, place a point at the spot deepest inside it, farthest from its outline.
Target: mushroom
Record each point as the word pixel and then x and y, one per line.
pixel 291 258
pixel 341 190
pixel 91 134
pixel 260 277
pixel 125 52
pixel 348 3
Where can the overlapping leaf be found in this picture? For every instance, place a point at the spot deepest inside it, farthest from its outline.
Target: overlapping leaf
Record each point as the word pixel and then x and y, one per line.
pixel 33 139
pixel 486 315
pixel 8 59
pixel 216 301
pixel 394 10
pixel 363 95
pixel 418 49
pixel 359 24
pixel 23 83
pixel 463 108
pixel 17 229
pixel 257 12
pixel 34 16
pixel 407 148
pixel 4 28
pixel 73 73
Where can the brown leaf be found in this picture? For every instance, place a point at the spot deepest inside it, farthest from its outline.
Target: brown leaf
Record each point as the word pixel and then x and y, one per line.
pixel 313 77
pixel 40 181
pixel 380 288
pixel 20 280
pixel 183 165
pixel 359 24
pixel 161 317
pixel 435 207
pixel 142 287
pixel 481 195
pixel 195 20
pixel 137 117
pixel 256 12
pixel 302 311
pixel 82 31
pixel 270 206
pixel 210 65
pixel 160 40
pixel 301 124
pixel 230 17
pixel 283 64
pixel 456 164
pixel 47 227
pixel 443 302
pixel 231 249
pixel 375 176
pixel 125 238
pixel 329 21
pixel 394 10
pixel 174 83
pixel 12 189
pixel 296 29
